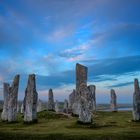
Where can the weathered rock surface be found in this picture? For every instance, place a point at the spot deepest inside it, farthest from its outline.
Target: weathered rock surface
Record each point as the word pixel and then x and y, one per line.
pixel 113 101
pixel 51 104
pixel 4 115
pixel 57 106
pixel 86 105
pixel 136 101
pixel 12 101
pixel 81 75
pixel 18 108
pixel 72 97
pixel 65 109
pixel 30 100
pixel 22 108
pixel 92 97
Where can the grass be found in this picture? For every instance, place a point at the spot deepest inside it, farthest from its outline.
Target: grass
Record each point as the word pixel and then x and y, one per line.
pixel 52 126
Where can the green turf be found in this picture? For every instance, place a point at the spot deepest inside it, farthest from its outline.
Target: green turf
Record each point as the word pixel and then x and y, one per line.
pixel 51 126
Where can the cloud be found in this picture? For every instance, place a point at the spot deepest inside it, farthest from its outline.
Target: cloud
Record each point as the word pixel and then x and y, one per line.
pixel 76 53
pixel 120 85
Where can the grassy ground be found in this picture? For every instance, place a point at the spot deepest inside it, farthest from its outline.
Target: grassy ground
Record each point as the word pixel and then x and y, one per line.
pixel 51 126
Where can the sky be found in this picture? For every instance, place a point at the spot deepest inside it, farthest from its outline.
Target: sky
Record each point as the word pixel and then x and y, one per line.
pixel 48 38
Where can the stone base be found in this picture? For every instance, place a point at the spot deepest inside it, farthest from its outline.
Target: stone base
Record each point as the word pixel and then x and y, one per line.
pixel 135 120
pixel 31 122
pixel 51 110
pixel 75 115
pixel 115 111
pixel 84 123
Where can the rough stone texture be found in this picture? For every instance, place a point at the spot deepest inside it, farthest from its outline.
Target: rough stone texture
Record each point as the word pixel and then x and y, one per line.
pixel 18 108
pixel 76 106
pixel 57 106
pixel 4 115
pixel 81 75
pixel 30 100
pixel 92 97
pixel 81 78
pixel 39 106
pixel 136 101
pixel 113 101
pixel 65 109
pixel 22 108
pixel 51 104
pixel 85 113
pixel 12 102
pixel 72 97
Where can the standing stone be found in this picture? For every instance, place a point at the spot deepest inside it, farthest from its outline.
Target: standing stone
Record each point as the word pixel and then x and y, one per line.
pixel 18 108
pixel 81 75
pixel 92 97
pixel 30 100
pixel 39 106
pixel 81 78
pixel 85 113
pixel 57 106
pixel 12 103
pixel 4 115
pixel 51 104
pixel 113 101
pixel 72 99
pixel 22 108
pixel 65 109
pixel 136 101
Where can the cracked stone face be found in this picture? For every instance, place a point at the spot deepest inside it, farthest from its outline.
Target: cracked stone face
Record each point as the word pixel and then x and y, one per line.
pixel 136 101
pixel 92 97
pixel 30 100
pixel 12 101
pixel 81 75
pixel 85 112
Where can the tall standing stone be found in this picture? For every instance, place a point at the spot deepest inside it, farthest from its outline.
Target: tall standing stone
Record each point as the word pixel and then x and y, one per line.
pixel 30 100
pixel 85 113
pixel 92 97
pixel 4 115
pixel 113 101
pixel 72 99
pixel 81 75
pixel 136 101
pixel 51 104
pixel 65 109
pixel 57 106
pixel 81 78
pixel 12 102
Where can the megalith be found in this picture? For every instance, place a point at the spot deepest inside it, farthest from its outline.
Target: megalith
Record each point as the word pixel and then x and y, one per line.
pixel 51 104
pixel 136 101
pixel 12 101
pixel 113 102
pixel 30 100
pixel 4 114
pixel 65 109
pixel 92 97
pixel 85 112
